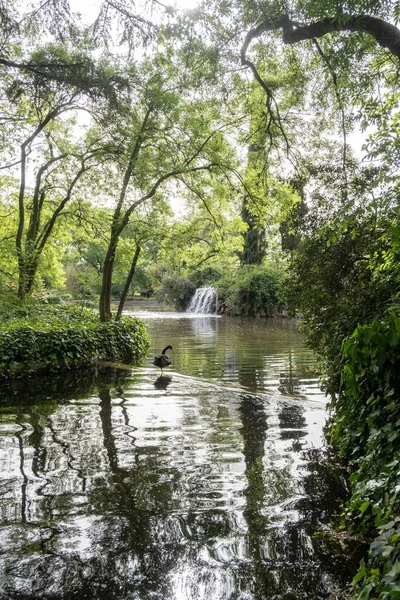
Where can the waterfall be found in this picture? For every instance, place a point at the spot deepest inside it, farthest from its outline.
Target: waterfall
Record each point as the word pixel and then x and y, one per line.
pixel 204 301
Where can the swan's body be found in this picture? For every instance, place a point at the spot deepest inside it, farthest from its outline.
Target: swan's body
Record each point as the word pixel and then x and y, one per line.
pixel 163 360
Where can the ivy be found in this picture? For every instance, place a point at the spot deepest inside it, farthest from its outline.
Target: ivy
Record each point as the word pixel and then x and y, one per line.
pixel 366 430
pixel 49 339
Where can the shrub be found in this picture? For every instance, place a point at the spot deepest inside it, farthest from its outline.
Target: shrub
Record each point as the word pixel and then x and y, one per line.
pixel 345 280
pixel 366 431
pixel 51 338
pixel 336 280
pixel 253 291
pixel 177 292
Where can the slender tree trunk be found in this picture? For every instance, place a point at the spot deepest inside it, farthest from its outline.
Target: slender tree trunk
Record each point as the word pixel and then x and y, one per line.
pixel 105 294
pixel 21 200
pixel 21 225
pixel 128 283
pixel 255 241
pixel 31 267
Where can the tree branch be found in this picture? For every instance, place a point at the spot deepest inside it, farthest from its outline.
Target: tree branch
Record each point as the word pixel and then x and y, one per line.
pixel 343 116
pixel 385 34
pixel 157 184
pixel 271 104
pixel 203 200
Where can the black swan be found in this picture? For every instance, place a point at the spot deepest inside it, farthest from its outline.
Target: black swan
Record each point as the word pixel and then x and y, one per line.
pixel 163 361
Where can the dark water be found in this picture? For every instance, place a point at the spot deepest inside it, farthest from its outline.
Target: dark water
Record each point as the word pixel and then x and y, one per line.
pixel 210 483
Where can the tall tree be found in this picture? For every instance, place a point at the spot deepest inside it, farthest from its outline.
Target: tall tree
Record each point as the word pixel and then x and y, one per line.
pixel 50 162
pixel 165 135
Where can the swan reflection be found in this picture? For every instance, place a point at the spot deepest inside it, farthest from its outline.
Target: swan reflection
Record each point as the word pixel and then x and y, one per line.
pixel 162 382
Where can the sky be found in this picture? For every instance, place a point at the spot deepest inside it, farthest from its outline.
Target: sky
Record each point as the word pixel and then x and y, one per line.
pixel 88 8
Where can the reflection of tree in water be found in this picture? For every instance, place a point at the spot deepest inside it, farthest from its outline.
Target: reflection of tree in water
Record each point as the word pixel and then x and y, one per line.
pixel 120 532
pixel 268 551
pixel 44 562
pixel 32 402
pixel 255 373
pixel 141 517
pixel 254 428
pixel 289 380
pixel 142 501
pixel 325 491
pixel 288 562
pixel 293 425
pixel 251 377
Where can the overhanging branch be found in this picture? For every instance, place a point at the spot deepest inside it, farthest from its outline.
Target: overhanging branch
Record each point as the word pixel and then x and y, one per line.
pixel 385 34
pixel 271 104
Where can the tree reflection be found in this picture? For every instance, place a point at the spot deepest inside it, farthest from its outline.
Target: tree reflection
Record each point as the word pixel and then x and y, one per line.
pixel 106 423
pixel 293 425
pixel 254 432
pixel 289 380
pixel 127 493
pixel 142 503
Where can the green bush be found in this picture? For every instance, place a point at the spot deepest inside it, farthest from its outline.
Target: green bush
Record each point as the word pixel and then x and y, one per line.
pixel 50 338
pixel 177 292
pixel 345 281
pixel 252 291
pixel 337 280
pixel 366 431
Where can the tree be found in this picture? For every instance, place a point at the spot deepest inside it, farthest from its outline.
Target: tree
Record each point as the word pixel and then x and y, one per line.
pixel 146 225
pixel 208 236
pixel 35 110
pixel 164 135
pixel 7 240
pixel 51 163
pixel 24 26
pixel 357 45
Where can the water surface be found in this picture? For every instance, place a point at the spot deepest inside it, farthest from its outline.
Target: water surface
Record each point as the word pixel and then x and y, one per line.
pixel 211 482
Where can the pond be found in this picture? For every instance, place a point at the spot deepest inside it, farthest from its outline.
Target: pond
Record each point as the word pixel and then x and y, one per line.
pixel 211 482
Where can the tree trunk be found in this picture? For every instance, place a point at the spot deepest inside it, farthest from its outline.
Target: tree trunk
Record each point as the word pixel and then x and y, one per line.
pixel 128 283
pixel 31 267
pixel 20 231
pixel 105 294
pixel 255 241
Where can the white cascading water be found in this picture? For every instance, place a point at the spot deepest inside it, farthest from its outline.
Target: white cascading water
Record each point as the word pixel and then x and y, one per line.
pixel 204 301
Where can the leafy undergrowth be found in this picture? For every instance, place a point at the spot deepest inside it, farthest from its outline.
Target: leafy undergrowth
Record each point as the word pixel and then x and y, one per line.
pixel 366 430
pixel 48 338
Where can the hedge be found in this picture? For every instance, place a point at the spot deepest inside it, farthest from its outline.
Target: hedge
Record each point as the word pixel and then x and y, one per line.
pixel 51 339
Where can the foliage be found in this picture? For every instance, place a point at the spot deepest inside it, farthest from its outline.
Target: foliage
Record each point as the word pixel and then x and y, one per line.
pixel 253 291
pixel 49 338
pixel 206 277
pixel 339 277
pixel 368 400
pixel 345 281
pixel 150 161
pixel 177 292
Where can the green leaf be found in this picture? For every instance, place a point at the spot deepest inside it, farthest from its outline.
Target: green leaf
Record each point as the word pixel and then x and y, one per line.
pixel 365 592
pixel 392 574
pixel 364 506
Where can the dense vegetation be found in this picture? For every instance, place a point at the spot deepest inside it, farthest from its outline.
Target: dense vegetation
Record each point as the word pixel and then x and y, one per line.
pixel 168 149
pixel 254 291
pixel 345 280
pixel 38 338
